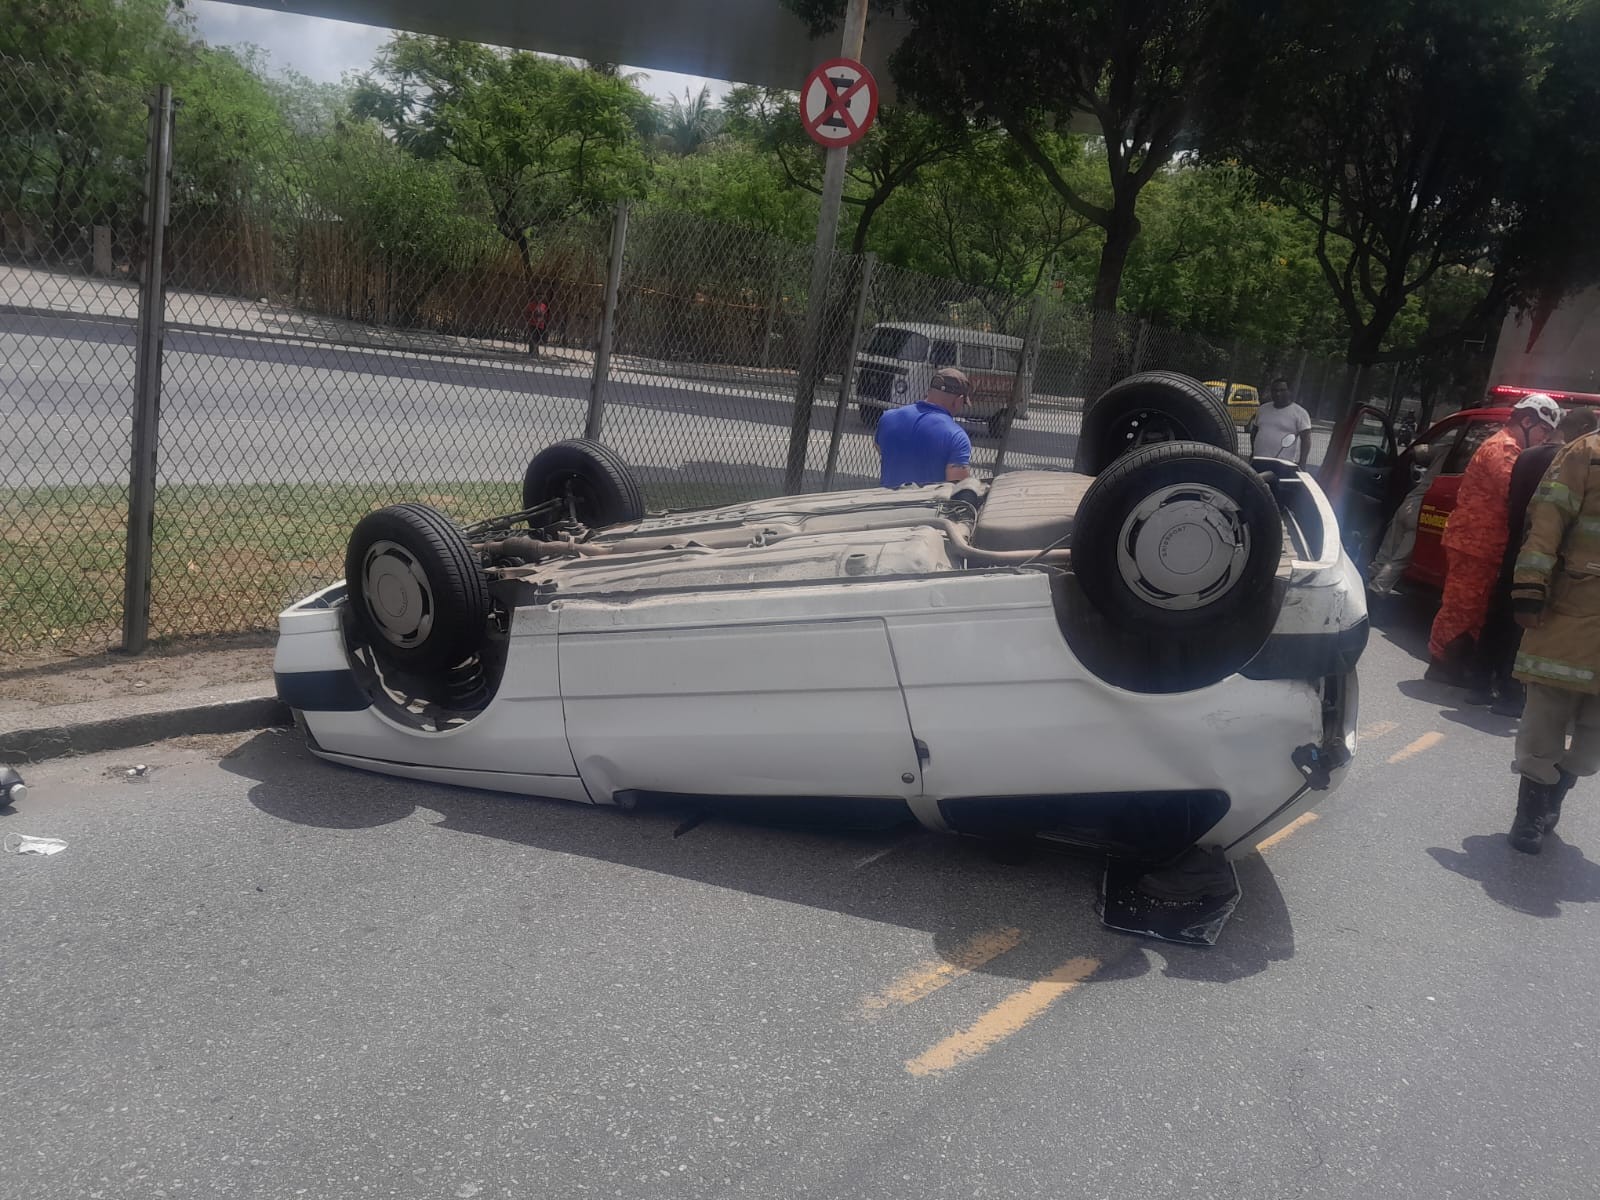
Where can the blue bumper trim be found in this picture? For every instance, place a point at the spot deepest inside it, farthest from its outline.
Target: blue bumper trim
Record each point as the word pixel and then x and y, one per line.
pixel 321 691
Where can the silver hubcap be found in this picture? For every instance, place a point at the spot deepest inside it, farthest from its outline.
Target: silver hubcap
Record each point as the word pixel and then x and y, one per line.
pixel 398 595
pixel 1184 547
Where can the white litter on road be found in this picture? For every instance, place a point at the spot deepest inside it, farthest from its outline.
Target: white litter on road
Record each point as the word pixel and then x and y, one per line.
pixel 21 843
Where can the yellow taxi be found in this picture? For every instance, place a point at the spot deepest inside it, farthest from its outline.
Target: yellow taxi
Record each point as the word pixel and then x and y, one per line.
pixel 1241 398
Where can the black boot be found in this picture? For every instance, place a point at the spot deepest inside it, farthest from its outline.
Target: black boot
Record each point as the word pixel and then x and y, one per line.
pixel 1510 701
pixel 1533 802
pixel 1454 666
pixel 1558 793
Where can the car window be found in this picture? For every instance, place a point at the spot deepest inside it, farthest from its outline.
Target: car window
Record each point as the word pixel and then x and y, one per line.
pixel 977 358
pixel 944 354
pixel 897 343
pixel 1473 436
pixel 1009 361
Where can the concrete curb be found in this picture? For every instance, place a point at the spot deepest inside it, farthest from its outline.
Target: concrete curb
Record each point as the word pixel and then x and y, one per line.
pixel 38 743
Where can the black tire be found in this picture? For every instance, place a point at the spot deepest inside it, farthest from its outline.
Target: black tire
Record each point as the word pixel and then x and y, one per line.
pixel 1165 570
pixel 1151 408
pixel 417 591
pixel 601 486
pixel 999 423
pixel 870 415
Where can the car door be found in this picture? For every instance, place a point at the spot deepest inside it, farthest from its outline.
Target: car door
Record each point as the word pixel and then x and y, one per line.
pixel 1427 561
pixel 739 708
pixel 1371 458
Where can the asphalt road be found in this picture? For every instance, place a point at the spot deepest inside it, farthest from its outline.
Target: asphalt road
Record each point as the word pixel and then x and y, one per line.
pixel 241 409
pixel 238 409
pixel 266 976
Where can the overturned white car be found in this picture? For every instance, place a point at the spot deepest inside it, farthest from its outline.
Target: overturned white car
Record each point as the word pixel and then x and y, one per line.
pixel 1157 658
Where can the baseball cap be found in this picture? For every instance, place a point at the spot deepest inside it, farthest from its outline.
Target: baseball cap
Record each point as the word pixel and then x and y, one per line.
pixel 951 381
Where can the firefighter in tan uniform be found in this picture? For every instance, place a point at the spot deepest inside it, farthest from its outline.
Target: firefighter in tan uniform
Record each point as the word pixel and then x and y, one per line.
pixel 1555 597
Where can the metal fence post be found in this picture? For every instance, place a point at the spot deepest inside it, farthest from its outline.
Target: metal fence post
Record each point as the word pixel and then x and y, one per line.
pixel 147 380
pixel 608 324
pixel 852 348
pixel 1138 346
pixel 772 316
pixel 1022 385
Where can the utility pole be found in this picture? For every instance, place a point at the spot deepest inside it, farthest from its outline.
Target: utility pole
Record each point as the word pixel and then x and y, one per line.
pixel 855 28
pixel 147 378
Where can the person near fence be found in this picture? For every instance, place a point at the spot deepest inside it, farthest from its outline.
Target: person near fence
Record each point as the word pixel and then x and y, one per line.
pixel 538 315
pixel 1475 539
pixel 1276 427
pixel 921 442
pixel 1497 648
pixel 1555 598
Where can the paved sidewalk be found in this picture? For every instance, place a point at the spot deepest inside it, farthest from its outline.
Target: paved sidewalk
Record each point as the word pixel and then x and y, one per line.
pixel 57 705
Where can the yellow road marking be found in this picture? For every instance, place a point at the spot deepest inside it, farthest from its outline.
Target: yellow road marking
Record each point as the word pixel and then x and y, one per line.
pixel 1004 1019
pixel 929 977
pixel 1299 822
pixel 1426 742
pixel 1376 730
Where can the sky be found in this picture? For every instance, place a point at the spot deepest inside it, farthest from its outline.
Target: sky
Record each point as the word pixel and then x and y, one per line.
pixel 325 49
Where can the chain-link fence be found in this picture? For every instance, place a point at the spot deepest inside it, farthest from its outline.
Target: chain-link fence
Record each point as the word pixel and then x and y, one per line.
pixel 72 156
pixel 346 325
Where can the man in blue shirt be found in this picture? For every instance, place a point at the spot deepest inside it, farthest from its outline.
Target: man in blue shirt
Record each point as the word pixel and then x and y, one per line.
pixel 921 442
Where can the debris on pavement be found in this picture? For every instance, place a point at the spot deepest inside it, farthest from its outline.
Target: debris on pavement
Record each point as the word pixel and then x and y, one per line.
pixel 21 843
pixel 1187 902
pixel 12 789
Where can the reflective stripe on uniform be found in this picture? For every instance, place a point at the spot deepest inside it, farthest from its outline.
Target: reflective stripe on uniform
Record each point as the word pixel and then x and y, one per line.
pixel 1589 525
pixel 1553 491
pixel 1532 560
pixel 1532 664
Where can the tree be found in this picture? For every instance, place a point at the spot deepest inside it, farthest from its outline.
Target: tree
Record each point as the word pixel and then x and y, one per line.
pixel 1142 75
pixel 74 78
pixel 691 124
pixel 1215 258
pixel 901 143
pixel 544 140
pixel 1420 140
pixel 1550 246
pixel 987 218
pixel 733 181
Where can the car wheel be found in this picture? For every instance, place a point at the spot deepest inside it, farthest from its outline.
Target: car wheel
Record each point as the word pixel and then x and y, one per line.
pixel 999 423
pixel 1151 408
pixel 418 594
pixel 869 415
pixel 1177 539
pixel 598 486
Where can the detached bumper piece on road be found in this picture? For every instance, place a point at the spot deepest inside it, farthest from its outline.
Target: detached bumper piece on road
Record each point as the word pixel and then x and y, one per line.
pixel 1188 902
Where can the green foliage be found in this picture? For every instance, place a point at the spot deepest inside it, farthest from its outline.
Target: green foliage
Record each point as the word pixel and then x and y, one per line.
pixel 1215 258
pixel 689 125
pixel 72 87
pixel 1146 74
pixel 736 182
pixel 988 218
pixel 541 138
pixel 901 144
pixel 1394 127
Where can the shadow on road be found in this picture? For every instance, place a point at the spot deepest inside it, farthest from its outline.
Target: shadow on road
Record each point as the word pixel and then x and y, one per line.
pixel 1537 885
pixel 954 889
pixel 1452 705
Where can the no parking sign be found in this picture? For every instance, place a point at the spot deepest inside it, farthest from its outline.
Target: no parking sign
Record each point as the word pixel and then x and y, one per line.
pixel 838 102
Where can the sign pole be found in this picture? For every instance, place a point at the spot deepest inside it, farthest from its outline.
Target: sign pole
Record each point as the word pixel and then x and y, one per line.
pixel 855 28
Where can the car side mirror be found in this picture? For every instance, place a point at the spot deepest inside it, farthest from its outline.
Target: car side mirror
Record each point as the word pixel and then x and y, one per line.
pixel 1422 454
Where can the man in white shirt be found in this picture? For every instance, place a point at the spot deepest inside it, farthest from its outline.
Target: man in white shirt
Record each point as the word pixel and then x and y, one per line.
pixel 1276 428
